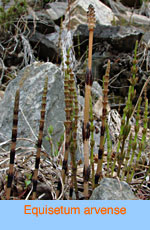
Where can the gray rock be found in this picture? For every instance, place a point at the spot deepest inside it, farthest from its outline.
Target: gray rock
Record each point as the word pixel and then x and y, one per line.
pixel 137 20
pixel 132 3
pixel 146 37
pixel 41 26
pixel 145 9
pixel 57 10
pixel 30 103
pixel 119 37
pixel 114 43
pixel 45 48
pixel 54 37
pixel 42 22
pixel 112 189
pixel 98 60
pixel 81 101
pixel 104 14
pixel 96 90
pixel 96 93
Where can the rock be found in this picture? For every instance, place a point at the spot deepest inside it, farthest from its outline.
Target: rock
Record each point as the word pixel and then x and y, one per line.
pixel 54 37
pixel 132 3
pixel 57 10
pixel 136 19
pixel 139 18
pixel 115 43
pixel 81 101
pixel 119 37
pixel 98 59
pixel 41 22
pixel 146 37
pixel 96 93
pixel 112 189
pixel 116 6
pixel 114 124
pixel 1 94
pixel 98 107
pixel 2 138
pixel 78 12
pixel 145 9
pixel 96 90
pixel 44 48
pixel 42 28
pixel 30 103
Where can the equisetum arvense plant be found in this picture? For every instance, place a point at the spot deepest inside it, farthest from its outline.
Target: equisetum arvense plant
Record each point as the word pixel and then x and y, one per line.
pixel 13 144
pixel 98 174
pixel 88 84
pixel 39 143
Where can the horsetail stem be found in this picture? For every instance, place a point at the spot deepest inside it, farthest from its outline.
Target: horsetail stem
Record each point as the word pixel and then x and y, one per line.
pixel 71 188
pixel 127 157
pixel 128 109
pixel 143 140
pixel 134 143
pixel 92 142
pixel 72 91
pixel 74 126
pixel 103 127
pixel 127 113
pixel 88 84
pixel 109 149
pixel 39 143
pixel 91 24
pixel 13 144
pixel 125 130
pixel 68 118
pixel 76 116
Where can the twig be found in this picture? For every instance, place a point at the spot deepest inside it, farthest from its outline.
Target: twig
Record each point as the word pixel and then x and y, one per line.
pixel 28 195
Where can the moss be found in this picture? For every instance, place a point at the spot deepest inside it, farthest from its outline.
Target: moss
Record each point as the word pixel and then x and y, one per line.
pixel 10 15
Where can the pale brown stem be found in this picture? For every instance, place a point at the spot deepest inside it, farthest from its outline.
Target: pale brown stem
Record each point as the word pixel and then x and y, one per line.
pixel 90 49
